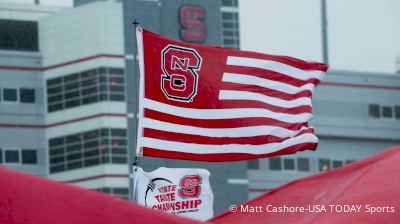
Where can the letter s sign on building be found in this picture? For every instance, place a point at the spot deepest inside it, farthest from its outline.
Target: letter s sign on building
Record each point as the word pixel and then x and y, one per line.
pixel 192 20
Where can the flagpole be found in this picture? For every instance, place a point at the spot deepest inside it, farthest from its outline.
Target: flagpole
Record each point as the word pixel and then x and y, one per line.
pixel 133 107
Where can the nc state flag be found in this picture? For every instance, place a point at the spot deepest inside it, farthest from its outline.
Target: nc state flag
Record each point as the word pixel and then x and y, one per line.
pixel 179 191
pixel 215 104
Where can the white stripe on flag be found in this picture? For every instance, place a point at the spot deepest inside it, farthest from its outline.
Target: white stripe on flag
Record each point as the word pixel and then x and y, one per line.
pixel 252 131
pixel 276 67
pixel 266 83
pixel 229 148
pixel 245 95
pixel 214 114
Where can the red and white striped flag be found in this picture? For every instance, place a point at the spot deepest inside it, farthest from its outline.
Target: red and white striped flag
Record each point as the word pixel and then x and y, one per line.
pixel 215 104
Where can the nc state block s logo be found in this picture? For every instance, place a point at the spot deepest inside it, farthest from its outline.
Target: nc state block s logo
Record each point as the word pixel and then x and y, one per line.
pixel 180 79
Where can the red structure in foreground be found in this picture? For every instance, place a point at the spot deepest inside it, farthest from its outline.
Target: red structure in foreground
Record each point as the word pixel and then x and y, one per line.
pixel 26 199
pixel 367 191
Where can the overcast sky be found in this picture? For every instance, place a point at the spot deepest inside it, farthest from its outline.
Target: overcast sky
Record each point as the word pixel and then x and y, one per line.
pixel 364 35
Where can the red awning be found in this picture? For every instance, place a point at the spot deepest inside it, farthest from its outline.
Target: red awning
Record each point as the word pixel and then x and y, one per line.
pixel 26 199
pixel 372 184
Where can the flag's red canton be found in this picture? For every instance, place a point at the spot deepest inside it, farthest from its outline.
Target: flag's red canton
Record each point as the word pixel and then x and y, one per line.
pixel 216 104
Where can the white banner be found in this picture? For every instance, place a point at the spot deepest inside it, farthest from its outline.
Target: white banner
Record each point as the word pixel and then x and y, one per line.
pixel 179 191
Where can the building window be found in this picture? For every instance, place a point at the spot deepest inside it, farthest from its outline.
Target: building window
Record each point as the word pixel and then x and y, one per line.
pixel 303 164
pixel 95 85
pixel 27 95
pixel 275 163
pixel 387 112
pixel 19 35
pixel 337 163
pixel 29 156
pixel 118 192
pixel 324 165
pixel 10 95
pixel 253 164
pixel 11 156
pixel 91 148
pixel 350 161
pixel 230 3
pixel 374 111
pixel 397 112
pixel 288 164
pixel 1 156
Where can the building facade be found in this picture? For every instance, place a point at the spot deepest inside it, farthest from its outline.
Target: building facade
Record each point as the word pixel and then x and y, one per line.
pixel 67 97
pixel 79 70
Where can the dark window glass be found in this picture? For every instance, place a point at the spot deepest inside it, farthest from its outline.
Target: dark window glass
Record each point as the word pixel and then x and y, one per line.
pixel 54 90
pixel 374 111
pixel 387 111
pixel 117 97
pixel 102 70
pixel 303 164
pixel 73 138
pixel 275 163
pixel 91 135
pixel 89 100
pixel 56 151
pixel 29 156
pixel 56 169
pixel 54 99
pixel 19 35
pixel 11 156
pixel 251 164
pixel 397 112
pixel 10 95
pixel 227 15
pixel 288 164
pixel 55 107
pixel 89 74
pixel 56 81
pixel 115 71
pixel 74 165
pixel 92 162
pixel 71 78
pixel 119 160
pixel 56 141
pixel 72 86
pixel 27 95
pixel 324 165
pixel 118 132
pixel 74 156
pixel 1 156
pixel 337 163
pixel 349 161
pixel 72 103
pixel 120 191
pixel 56 160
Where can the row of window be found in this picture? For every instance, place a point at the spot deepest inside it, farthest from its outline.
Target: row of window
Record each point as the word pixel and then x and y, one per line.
pixel 230 29
pixel 117 191
pixel 91 148
pixel 15 95
pixel 100 84
pixel 18 156
pixel 301 164
pixel 379 111
pixel 230 3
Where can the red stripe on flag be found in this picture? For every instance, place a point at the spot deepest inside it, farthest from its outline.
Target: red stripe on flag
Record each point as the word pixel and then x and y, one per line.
pixel 206 140
pixel 224 157
pixel 221 123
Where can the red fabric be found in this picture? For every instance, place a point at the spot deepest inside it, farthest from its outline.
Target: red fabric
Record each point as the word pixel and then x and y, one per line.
pixel 33 200
pixel 373 181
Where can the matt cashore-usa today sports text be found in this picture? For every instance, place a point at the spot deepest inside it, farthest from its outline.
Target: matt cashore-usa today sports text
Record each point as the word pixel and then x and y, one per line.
pixel 339 208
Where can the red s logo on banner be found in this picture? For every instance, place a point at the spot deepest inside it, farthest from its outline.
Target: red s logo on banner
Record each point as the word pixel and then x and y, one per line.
pixel 192 21
pixel 190 186
pixel 180 79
